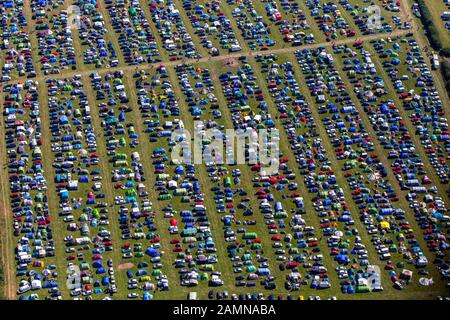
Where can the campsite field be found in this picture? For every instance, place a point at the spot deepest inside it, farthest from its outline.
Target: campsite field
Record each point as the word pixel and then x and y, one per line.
pixel 94 204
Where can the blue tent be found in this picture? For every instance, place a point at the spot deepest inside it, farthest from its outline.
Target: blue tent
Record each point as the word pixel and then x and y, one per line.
pixel 159 151
pixel 196 186
pixel 63 120
pixel 147 296
pixel 185 213
pixel 64 194
pixel 152 252
pixel 344 218
pixel 60 178
pixel 52 284
pixel 227 221
pixel 263 271
pixel 187 219
pixel 196 111
pixel 386 211
pixel 437 215
pixel 131 200
pixel 179 170
pixel 141 272
pixel 342 258
pixel 270 123
pixel 100 271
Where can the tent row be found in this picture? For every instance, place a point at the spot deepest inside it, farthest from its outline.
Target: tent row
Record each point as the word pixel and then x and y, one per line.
pixel 15 45
pixel 79 187
pixel 372 192
pixel 212 26
pixel 172 30
pixel 139 243
pixel 332 210
pixel 420 101
pixel 136 39
pixel 31 218
pixel 177 187
pixel 54 36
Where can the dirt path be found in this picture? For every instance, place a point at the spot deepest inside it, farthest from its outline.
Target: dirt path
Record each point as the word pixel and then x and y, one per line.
pixel 70 73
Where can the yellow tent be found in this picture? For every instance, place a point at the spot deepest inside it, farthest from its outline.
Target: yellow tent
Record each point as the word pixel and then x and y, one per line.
pixel 385 224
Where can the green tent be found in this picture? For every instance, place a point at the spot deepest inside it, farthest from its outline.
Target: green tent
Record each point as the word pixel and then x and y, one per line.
pixel 362 289
pixel 156 272
pixel 207 267
pixel 255 246
pixel 246 257
pixel 250 268
pixel 131 193
pixel 249 235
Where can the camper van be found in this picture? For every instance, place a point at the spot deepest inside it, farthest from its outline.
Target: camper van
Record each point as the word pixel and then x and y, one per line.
pixel 235 48
pixel 435 62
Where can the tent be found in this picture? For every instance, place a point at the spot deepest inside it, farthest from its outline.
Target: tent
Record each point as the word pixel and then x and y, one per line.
pixel 63 120
pixel 152 252
pixel 385 225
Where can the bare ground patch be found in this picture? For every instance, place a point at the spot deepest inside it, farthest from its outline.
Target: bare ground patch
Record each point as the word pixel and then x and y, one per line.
pixel 231 63
pixel 125 266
